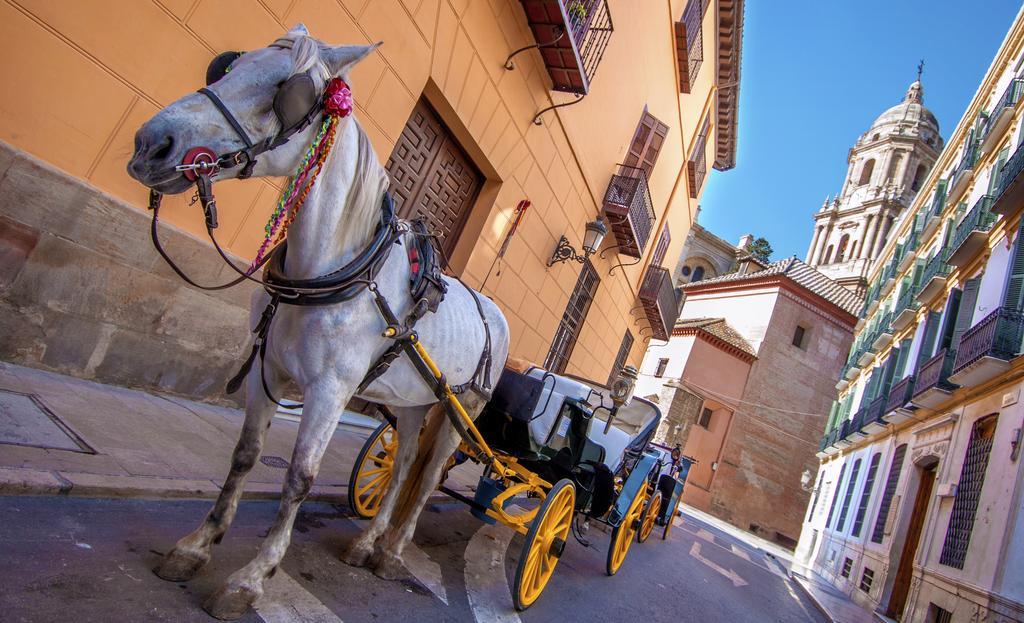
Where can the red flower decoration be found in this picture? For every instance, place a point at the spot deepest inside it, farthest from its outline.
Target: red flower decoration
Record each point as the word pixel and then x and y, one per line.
pixel 338 98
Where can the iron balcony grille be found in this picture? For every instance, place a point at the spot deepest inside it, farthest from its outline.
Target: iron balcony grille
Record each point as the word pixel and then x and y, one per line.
pixel 900 394
pixel 572 35
pixel 936 267
pixel 979 218
pixel 689 44
pixel 1009 99
pixel 966 163
pixel 890 492
pixel 857 422
pixel 968 495
pixel 1009 185
pixel 629 209
pixel 658 298
pixel 876 410
pixel 998 335
pixel 905 300
pixel 935 372
pixel 572 319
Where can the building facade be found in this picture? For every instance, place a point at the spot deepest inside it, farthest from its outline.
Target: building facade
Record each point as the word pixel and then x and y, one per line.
pixel 706 256
pixel 717 382
pixel 469 136
pixel 887 167
pixel 917 507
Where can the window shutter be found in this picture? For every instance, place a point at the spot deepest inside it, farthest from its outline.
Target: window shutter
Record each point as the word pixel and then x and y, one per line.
pixel 1012 298
pixel 931 328
pixel 947 234
pixel 904 354
pixel 869 388
pixel 888 370
pixel 966 312
pixel 647 143
pixel 950 319
pixel 662 247
pixel 832 415
pixel 996 173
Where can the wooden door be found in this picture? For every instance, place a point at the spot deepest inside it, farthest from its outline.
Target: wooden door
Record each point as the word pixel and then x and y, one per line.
pixel 431 175
pixel 905 570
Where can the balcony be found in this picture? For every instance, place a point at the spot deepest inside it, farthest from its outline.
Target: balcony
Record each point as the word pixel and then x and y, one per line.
pixel 571 36
pixel 888 278
pixel 906 308
pixel 883 335
pixel 964 172
pixel 986 349
pixel 689 45
pixel 856 432
pixel 933 385
pixel 933 279
pixel 873 422
pixel 971 234
pixel 906 250
pixel 1000 116
pixel 843 434
pixel 658 298
pixel 629 210
pixel 1011 185
pixel 897 408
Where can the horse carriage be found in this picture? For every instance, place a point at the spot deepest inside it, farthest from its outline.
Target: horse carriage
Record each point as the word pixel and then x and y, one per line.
pixel 582 450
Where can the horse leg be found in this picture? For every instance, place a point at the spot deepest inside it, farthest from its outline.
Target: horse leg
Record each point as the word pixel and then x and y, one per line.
pixel 387 559
pixel 193 550
pixel 319 420
pixel 410 421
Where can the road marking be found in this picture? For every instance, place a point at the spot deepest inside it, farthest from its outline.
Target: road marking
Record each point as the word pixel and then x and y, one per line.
pixel 732 575
pixel 707 536
pixel 486 585
pixel 419 564
pixel 740 552
pixel 285 601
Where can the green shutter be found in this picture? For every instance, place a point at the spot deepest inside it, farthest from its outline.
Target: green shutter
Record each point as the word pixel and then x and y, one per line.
pixel 1012 298
pixel 931 328
pixel 994 175
pixel 966 312
pixel 950 319
pixel 830 423
pixel 888 371
pixel 901 363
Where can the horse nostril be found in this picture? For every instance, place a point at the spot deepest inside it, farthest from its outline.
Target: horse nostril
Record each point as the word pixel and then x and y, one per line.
pixel 163 149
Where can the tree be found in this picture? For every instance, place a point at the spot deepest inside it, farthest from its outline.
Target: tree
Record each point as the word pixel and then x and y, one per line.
pixel 761 249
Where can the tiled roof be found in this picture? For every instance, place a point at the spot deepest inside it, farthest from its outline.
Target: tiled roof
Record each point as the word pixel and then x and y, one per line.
pixel 801 274
pixel 719 328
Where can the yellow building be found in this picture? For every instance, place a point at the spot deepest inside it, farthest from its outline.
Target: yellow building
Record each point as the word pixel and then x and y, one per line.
pixel 917 512
pixel 82 291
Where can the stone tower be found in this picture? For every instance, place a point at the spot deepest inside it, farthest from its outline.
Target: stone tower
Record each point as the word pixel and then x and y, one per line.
pixel 887 166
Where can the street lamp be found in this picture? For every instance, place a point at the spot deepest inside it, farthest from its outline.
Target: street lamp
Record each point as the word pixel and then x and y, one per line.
pixel 593 235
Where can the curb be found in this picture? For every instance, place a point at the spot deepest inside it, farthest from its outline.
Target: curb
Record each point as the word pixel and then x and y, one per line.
pixel 799 581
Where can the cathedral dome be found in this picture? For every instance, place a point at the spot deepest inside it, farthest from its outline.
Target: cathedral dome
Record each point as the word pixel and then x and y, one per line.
pixel 908 117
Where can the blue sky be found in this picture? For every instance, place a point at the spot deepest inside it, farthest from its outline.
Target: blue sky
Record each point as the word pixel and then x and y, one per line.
pixel 815 74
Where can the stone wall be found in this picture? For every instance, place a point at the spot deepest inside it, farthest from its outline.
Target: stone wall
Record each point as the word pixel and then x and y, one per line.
pixel 83 292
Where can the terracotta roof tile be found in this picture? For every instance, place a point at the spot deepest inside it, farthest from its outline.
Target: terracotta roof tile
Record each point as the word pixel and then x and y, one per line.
pixel 719 328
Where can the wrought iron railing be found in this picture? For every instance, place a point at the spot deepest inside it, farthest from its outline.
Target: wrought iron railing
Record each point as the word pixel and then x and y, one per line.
pixel 876 410
pixel 966 162
pixel 905 300
pixel 936 267
pixel 997 335
pixel 630 211
pixel 900 394
pixel 659 300
pixel 1008 174
pixel 979 218
pixel 935 372
pixel 1009 99
pixel 572 36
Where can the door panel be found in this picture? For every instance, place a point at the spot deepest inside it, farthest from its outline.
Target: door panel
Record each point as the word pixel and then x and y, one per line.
pixel 905 570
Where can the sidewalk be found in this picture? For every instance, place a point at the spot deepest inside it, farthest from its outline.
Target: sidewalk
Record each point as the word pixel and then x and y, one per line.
pixel 77 437
pixel 835 604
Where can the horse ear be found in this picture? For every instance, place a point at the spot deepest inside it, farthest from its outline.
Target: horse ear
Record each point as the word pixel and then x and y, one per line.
pixel 342 58
pixel 299 30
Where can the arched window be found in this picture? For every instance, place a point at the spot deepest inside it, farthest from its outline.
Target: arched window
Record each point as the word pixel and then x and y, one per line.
pixel 698 274
pixel 841 250
pixel 875 137
pixel 919 174
pixel 865 173
pixel 828 255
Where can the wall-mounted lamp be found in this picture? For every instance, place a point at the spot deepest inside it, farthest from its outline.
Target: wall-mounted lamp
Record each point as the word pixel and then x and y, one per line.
pixel 593 236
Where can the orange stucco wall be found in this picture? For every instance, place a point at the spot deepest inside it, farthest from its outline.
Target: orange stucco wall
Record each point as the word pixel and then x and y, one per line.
pixel 82 76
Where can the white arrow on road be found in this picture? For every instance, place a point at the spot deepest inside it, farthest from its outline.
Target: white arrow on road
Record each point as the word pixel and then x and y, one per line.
pixel 732 575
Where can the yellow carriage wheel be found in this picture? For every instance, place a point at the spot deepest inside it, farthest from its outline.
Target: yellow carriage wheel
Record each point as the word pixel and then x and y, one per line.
pixel 671 517
pixel 372 471
pixel 544 544
pixel 622 537
pixel 650 515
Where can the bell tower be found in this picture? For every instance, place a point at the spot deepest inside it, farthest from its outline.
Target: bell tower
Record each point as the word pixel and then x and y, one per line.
pixel 886 167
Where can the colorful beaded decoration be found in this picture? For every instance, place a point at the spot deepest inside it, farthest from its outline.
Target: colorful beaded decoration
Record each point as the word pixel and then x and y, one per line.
pixel 337 104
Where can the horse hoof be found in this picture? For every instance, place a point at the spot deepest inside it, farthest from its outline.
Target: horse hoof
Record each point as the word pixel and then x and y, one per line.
pixel 181 566
pixel 228 604
pixel 356 554
pixel 387 566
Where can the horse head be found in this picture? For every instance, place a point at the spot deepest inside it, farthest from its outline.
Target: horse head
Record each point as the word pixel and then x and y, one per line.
pixel 273 94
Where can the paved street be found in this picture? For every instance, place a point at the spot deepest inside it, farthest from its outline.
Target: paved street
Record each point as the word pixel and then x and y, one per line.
pixel 90 559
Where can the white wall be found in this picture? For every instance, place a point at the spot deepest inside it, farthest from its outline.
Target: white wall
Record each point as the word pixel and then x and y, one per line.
pixel 748 311
pixel 677 351
pixel 993 281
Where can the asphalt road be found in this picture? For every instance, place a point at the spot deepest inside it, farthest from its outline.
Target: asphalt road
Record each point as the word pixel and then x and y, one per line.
pixel 80 560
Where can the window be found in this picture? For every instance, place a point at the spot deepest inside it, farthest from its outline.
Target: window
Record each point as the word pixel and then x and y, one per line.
pixel 835 495
pixel 688 36
pixel 698 274
pixel 572 320
pixel 817 494
pixel 647 142
pixel 841 250
pixel 849 495
pixel 705 418
pixel 798 336
pixel 696 166
pixel 662 366
pixel 847 567
pixel 968 493
pixel 686 271
pixel 939 615
pixel 828 255
pixel 867 578
pixel 890 492
pixel 865 496
pixel 620 359
pixel 919 174
pixel 865 173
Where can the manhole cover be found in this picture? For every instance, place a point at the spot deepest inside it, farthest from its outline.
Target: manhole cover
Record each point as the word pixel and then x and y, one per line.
pixel 274 461
pixel 25 421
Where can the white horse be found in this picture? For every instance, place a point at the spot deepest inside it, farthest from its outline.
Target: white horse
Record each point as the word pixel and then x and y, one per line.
pixel 325 350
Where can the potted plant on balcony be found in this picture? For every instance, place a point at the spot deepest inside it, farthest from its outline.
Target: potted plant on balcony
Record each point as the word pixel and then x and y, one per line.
pixel 577 10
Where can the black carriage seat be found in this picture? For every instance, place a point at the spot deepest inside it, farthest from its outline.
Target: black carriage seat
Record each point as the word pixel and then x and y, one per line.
pixel 583 453
pixel 505 419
